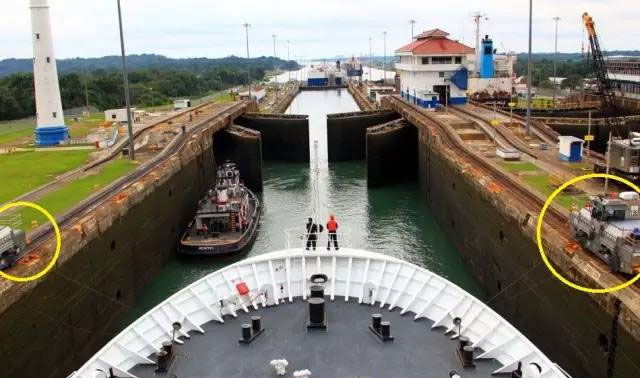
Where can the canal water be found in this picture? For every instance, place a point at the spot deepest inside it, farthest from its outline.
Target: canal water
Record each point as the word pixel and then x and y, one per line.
pixel 391 220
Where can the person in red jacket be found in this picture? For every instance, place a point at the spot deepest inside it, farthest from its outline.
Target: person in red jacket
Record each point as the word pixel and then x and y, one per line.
pixel 332 228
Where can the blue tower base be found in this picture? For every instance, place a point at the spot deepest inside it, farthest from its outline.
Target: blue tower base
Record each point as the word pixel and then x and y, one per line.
pixel 51 136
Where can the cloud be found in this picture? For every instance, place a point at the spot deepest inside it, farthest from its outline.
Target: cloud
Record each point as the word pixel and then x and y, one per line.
pixel 209 28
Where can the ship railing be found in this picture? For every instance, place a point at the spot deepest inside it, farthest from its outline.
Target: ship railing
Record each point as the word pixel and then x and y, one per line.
pixel 297 237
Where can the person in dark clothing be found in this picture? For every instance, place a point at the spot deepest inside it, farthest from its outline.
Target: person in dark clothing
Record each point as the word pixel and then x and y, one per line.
pixel 332 228
pixel 312 233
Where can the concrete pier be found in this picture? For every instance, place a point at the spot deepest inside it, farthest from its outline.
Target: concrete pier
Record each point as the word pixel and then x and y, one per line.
pixel 285 137
pixel 495 232
pixel 346 132
pixel 392 153
pixel 242 146
pixel 110 253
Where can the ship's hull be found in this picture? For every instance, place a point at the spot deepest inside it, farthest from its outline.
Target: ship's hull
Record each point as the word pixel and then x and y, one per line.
pixel 204 248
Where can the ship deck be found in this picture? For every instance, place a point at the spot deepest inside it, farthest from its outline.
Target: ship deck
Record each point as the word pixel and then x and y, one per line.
pixel 347 349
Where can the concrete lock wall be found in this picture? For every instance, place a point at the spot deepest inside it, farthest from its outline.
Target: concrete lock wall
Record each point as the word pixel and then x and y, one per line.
pixel 78 307
pixel 284 137
pixel 574 329
pixel 392 153
pixel 600 133
pixel 244 147
pixel 346 132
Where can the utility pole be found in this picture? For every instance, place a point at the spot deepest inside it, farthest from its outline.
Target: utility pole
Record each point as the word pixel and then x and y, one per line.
pixel 589 133
pixel 370 59
pixel 288 59
pixel 412 22
pixel 86 90
pixel 476 19
pixel 246 29
pixel 384 65
pixel 153 100
pixel 608 158
pixel 555 60
pixel 127 97
pixel 275 71
pixel 529 71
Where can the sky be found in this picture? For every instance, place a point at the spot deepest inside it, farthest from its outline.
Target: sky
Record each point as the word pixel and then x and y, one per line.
pixel 321 28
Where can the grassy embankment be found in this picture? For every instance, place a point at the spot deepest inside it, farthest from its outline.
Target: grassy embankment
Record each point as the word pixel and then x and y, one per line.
pixel 20 132
pixel 64 198
pixel 545 183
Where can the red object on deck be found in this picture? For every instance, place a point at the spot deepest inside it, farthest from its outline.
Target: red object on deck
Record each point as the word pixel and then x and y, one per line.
pixel 242 288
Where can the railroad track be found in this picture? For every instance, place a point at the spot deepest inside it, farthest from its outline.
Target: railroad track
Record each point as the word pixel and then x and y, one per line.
pixel 553 217
pixel 115 151
pixel 41 235
pixel 543 131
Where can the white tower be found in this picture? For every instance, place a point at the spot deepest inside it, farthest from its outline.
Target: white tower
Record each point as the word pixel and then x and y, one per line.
pixel 51 128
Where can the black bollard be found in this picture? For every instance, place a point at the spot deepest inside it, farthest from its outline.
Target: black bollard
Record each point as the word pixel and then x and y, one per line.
pixel 317 291
pixel 256 323
pixel 375 321
pixel 316 313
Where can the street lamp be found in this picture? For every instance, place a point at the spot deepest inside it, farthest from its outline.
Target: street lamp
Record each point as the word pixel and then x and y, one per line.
pixel 412 22
pixel 529 71
pixel 555 60
pixel 370 59
pixel 288 70
pixel 275 71
pixel 246 28
pixel 153 101
pixel 127 97
pixel 384 66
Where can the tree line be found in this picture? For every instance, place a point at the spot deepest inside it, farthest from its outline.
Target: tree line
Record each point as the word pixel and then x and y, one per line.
pixel 148 86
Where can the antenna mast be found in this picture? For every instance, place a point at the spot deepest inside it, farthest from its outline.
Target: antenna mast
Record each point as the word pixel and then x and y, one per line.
pixel 476 19
pixel 316 187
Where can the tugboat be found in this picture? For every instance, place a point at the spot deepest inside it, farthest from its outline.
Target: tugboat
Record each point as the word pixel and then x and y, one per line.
pixel 227 217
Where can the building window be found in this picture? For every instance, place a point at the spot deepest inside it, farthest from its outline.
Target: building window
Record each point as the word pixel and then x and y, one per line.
pixel 113 116
pixel 55 115
pixel 458 60
pixel 37 35
pixel 48 60
pixel 440 74
pixel 425 60
pixel 441 60
pixel 487 50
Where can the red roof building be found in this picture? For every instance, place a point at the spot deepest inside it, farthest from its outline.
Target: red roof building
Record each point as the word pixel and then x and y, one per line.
pixel 435 42
pixel 433 69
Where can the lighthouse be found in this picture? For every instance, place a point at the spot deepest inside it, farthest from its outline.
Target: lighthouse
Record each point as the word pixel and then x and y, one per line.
pixel 50 129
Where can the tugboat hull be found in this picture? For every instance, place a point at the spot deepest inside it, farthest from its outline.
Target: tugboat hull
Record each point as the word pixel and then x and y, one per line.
pixel 205 249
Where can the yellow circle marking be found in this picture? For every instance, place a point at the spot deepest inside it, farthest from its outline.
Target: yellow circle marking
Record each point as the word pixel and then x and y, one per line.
pixel 58 241
pixel 539 234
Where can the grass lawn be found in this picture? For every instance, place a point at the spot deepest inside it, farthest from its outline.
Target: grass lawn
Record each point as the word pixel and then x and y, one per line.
pixel 24 171
pixel 542 183
pixel 66 197
pixel 14 130
pixel 518 166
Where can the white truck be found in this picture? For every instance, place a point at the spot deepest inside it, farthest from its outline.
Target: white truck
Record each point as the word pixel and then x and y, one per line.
pixel 12 243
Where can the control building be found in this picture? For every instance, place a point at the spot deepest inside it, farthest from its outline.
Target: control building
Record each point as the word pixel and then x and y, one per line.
pixel 434 69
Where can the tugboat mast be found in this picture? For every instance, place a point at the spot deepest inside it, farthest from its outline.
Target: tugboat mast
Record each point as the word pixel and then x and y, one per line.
pixel 316 182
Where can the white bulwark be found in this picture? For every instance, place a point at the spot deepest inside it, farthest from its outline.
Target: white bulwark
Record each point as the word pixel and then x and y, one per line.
pixel 51 128
pixel 434 70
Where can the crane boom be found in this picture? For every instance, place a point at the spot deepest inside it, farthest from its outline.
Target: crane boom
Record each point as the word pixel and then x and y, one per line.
pixel 605 88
